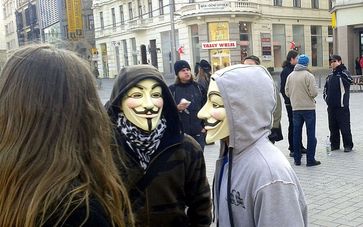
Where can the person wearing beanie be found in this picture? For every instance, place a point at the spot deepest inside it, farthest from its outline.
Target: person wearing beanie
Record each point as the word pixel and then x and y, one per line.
pixel 190 96
pixel 336 95
pixel 288 67
pixel 276 132
pixel 203 77
pixel 163 169
pixel 301 89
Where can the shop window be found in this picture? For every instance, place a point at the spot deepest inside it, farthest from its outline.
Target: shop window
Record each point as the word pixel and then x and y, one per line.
pixel 330 38
pixel 245 37
pixel 195 42
pixel 279 44
pixel 316 46
pixel 297 43
pixel 220 58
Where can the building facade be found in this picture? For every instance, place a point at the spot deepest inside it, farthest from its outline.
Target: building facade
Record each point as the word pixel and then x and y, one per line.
pixel 222 32
pixel 9 23
pixel 348 30
pixel 2 38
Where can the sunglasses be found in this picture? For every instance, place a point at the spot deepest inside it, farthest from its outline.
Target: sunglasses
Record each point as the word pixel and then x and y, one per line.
pixel 331 61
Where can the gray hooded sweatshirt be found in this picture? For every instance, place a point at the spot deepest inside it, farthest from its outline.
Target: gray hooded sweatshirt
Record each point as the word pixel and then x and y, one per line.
pixel 263 188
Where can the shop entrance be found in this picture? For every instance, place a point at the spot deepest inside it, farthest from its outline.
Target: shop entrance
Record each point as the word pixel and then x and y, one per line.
pixel 220 58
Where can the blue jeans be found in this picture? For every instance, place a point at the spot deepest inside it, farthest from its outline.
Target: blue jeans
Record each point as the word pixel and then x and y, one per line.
pixel 309 117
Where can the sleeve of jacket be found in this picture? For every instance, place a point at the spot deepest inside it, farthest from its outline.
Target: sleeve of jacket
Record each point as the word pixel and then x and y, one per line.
pixel 198 195
pixel 346 77
pixel 313 90
pixel 287 88
pixel 280 204
pixel 325 91
pixel 283 78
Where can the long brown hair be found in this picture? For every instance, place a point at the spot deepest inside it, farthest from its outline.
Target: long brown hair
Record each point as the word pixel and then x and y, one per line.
pixel 55 137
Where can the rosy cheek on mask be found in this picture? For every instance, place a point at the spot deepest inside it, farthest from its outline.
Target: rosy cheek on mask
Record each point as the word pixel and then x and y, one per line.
pixel 132 103
pixel 159 102
pixel 218 114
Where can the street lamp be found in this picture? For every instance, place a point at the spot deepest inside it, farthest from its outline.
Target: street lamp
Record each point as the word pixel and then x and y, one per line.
pixel 172 33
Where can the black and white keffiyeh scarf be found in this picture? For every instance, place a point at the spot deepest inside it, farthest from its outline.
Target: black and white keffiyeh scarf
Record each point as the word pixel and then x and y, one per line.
pixel 142 144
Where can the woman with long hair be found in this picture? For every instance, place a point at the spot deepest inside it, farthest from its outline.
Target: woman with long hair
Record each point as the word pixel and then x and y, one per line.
pixel 56 165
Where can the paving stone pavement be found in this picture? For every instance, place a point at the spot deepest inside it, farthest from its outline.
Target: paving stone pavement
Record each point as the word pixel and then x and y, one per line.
pixel 334 189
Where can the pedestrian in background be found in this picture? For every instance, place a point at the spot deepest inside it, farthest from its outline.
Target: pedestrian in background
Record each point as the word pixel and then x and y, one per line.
pixel 190 97
pixel 301 89
pixel 276 132
pixel 336 95
pixel 203 76
pixel 164 169
pixel 288 66
pixel 56 165
pixel 361 63
pixel 358 69
pixel 254 183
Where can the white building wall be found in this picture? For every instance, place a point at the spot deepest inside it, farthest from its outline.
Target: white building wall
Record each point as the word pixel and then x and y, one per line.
pixel 151 28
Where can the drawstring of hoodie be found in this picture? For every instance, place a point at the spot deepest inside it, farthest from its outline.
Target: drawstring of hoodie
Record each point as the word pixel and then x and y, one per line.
pixel 229 202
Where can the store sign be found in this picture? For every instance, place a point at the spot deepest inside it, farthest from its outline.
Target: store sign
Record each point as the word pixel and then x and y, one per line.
pixel 219 45
pixel 213 5
pixel 266 46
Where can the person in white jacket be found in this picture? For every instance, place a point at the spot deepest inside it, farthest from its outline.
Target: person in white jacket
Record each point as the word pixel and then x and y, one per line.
pixel 301 89
pixel 254 183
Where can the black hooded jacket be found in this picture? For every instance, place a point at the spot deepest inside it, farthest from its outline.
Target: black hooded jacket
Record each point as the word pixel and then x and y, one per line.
pixel 283 76
pixel 336 90
pixel 175 178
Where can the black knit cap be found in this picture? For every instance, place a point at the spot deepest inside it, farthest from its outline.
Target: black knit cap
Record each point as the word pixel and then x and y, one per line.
pixel 179 65
pixel 205 65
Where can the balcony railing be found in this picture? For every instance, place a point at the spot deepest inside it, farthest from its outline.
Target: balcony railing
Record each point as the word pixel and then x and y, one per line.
pixel 219 8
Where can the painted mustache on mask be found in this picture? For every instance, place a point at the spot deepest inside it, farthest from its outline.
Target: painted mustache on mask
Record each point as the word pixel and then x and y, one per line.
pixel 147 111
pixel 206 123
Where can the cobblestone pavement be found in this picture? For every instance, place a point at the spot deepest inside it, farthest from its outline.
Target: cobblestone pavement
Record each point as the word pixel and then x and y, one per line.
pixel 334 189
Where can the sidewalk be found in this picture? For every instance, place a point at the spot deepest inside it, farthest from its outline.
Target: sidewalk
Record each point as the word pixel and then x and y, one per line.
pixel 334 189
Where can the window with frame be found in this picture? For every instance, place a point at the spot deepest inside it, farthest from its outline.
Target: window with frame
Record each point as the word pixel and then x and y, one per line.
pixel 245 37
pixel 315 4
pixel 134 51
pixel 150 8
pixel 101 21
pixel 113 17
pixel 297 3
pixel 122 15
pixel 90 22
pixel 316 46
pixel 139 8
pixel 130 11
pixel 161 7
pixel 277 2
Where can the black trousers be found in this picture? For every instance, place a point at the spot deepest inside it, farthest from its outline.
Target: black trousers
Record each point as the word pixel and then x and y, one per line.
pixel 291 128
pixel 339 122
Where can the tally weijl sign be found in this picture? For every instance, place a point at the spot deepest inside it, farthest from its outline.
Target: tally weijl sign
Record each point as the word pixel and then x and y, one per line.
pixel 219 45
pixel 213 5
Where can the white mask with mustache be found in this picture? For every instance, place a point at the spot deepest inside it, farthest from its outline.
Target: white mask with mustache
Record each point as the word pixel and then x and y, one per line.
pixel 143 104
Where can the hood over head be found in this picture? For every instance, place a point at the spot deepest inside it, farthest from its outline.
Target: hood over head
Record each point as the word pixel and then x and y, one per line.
pixel 248 95
pixel 127 79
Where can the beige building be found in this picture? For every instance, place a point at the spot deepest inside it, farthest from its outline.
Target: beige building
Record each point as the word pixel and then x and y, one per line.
pixel 222 32
pixel 9 25
pixel 348 31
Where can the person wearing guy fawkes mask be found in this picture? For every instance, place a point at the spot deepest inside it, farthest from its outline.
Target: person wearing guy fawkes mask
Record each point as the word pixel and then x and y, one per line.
pixel 164 169
pixel 254 184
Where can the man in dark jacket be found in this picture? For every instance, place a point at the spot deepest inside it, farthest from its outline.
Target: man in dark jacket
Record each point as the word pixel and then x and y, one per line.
pixel 288 67
pixel 336 95
pixel 190 97
pixel 164 169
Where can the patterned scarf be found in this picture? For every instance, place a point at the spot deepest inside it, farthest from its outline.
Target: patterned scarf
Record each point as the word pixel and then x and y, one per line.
pixel 141 143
